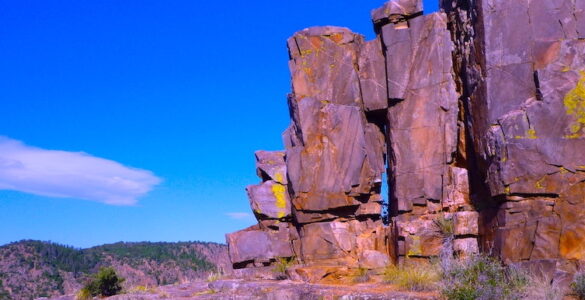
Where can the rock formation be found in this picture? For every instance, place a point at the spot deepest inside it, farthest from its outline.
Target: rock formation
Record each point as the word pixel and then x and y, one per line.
pixel 477 116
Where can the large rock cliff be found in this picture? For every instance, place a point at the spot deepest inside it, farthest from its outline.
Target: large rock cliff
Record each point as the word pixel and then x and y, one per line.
pixel 477 116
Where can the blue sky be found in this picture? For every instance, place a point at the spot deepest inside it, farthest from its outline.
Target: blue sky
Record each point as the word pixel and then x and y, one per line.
pixel 156 105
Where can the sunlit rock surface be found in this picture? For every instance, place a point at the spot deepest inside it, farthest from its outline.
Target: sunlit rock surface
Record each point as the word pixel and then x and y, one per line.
pixel 476 114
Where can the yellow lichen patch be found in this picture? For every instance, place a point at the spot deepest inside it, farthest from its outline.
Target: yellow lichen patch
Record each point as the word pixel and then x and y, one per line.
pixel 507 190
pixel 530 135
pixel 310 74
pixel 306 52
pixel 279 194
pixel 566 69
pixel 415 248
pixel 574 103
pixel 539 183
pixel 562 170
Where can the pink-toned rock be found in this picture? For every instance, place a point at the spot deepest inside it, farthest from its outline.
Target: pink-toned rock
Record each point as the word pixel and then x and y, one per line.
pixel 475 114
pixel 269 200
pixel 466 246
pixel 427 115
pixel 396 9
pixel 456 192
pixel 372 75
pixel 466 223
pixel 371 259
pixel 270 165
pixel 253 244
pixel 322 65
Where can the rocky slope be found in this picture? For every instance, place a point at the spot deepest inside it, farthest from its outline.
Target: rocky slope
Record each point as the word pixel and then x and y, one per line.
pixel 30 269
pixel 237 289
pixel 477 116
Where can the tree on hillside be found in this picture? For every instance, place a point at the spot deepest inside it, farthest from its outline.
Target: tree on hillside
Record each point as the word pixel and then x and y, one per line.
pixel 104 283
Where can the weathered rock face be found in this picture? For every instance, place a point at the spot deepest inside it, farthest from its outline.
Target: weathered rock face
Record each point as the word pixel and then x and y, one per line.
pixel 476 113
pixel 335 155
pixel 521 72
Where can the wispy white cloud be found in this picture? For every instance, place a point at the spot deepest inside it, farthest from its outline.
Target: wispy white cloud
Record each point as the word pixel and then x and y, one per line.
pixel 240 215
pixel 66 174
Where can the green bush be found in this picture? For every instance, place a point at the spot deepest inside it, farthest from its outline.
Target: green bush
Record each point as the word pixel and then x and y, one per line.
pixel 104 283
pixel 481 277
pixel 578 285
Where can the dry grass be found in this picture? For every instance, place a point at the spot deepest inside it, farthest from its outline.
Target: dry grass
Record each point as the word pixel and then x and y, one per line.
pixel 578 285
pixel 214 276
pixel 203 293
pixel 413 277
pixel 542 288
pixel 143 289
pixel 445 225
pixel 360 275
pixel 482 277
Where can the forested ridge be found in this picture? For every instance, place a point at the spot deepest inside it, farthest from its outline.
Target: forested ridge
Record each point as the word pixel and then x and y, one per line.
pixel 30 269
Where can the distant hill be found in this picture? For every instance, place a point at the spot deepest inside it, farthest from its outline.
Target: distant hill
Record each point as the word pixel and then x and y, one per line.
pixel 31 269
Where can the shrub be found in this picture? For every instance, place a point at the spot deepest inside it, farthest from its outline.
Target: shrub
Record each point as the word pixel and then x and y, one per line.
pixel 214 276
pixel 578 285
pixel 541 287
pixel 282 264
pixel 445 225
pixel 360 275
pixel 413 277
pixel 104 283
pixel 83 294
pixel 481 277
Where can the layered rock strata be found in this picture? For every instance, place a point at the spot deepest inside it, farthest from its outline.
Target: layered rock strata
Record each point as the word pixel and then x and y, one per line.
pixel 477 116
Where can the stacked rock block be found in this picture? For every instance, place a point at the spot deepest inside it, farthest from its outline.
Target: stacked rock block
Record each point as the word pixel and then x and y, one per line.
pixel 325 210
pixel 476 113
pixel 335 152
pixel 264 243
pixel 521 65
pixel 427 166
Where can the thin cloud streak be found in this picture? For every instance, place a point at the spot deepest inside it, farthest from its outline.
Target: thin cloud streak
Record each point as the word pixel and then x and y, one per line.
pixel 65 174
pixel 240 215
